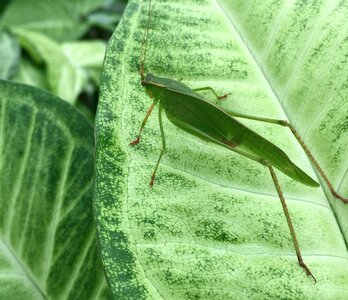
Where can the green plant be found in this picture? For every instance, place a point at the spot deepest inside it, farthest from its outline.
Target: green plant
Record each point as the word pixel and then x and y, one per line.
pixel 212 227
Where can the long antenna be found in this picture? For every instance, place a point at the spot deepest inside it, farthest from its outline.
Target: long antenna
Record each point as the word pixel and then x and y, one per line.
pixel 143 48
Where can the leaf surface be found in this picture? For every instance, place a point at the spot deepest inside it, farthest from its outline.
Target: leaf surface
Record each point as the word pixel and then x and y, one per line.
pixel 212 227
pixel 48 247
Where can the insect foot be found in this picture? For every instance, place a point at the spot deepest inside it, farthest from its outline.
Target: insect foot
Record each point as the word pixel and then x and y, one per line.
pixel 152 180
pixel 308 272
pixel 135 142
pixel 229 143
pixel 338 196
pixel 224 96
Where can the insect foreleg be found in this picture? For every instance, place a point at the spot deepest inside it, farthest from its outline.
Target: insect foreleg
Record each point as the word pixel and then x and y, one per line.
pixel 160 109
pixel 149 111
pixel 299 139
pixel 288 219
pixel 208 88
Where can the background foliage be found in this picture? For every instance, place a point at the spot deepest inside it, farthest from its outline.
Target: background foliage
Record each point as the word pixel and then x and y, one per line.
pixel 58 46
pixel 48 246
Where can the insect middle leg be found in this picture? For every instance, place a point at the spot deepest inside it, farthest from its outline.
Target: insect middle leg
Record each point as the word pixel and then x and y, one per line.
pixel 208 88
pixel 301 142
pixel 160 109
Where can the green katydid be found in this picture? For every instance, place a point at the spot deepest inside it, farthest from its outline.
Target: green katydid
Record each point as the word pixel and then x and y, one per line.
pixel 191 112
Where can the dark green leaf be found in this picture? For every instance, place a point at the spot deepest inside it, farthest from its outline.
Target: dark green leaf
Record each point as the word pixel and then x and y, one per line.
pixel 48 246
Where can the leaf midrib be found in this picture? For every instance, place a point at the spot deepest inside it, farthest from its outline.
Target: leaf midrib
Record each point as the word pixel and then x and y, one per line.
pixel 276 96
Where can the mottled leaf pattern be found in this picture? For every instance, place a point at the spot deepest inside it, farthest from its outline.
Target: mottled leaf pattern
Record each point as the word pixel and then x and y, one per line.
pixel 212 227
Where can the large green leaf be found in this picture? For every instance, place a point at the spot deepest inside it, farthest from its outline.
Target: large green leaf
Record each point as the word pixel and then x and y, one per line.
pixel 48 246
pixel 212 227
pixel 60 19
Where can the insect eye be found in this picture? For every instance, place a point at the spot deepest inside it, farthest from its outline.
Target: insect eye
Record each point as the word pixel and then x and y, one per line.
pixel 143 82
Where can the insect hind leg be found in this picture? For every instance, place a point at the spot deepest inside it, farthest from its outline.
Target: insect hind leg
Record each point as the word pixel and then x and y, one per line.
pixel 282 200
pixel 288 219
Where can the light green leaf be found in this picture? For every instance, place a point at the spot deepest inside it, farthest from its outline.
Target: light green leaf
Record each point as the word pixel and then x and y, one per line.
pixel 87 57
pixel 48 246
pixel 9 55
pixel 62 20
pixel 31 74
pixel 212 227
pixel 64 79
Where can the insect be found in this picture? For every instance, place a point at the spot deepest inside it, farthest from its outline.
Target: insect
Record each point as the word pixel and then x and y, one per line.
pixel 191 112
